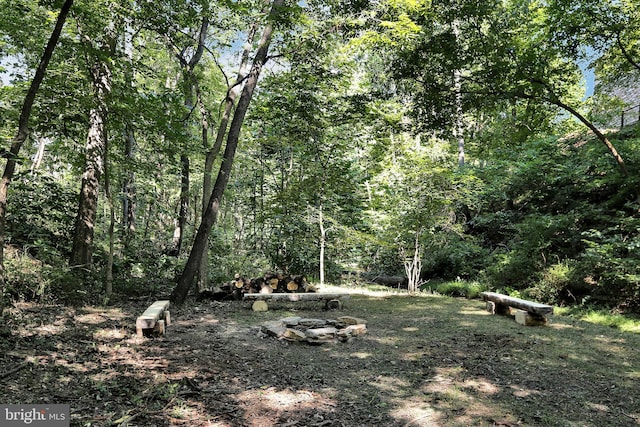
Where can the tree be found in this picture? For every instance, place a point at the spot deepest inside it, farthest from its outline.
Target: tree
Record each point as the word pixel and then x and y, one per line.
pixel 233 90
pixel 23 128
pixel 210 215
pixel 101 48
pixel 503 51
pixel 601 34
pixel 190 85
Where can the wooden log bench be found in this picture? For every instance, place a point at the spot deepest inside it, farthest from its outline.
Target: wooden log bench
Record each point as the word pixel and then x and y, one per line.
pixel 332 300
pixel 529 313
pixel 155 318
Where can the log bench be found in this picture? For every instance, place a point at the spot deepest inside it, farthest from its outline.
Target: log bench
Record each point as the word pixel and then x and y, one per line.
pixel 529 313
pixel 332 300
pixel 155 318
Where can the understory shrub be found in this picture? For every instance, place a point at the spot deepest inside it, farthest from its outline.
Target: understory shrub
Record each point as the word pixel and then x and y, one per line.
pixel 456 288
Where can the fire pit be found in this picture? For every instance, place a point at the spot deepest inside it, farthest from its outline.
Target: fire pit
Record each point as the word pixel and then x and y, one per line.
pixel 315 331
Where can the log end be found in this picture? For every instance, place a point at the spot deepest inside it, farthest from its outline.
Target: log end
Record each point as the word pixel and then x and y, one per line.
pixel 529 319
pixel 260 305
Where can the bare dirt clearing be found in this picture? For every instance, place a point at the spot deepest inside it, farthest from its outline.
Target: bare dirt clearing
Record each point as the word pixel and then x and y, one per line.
pixel 425 361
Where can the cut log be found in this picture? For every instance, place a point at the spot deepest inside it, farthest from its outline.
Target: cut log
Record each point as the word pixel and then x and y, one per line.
pixel 333 304
pixel 260 306
pixel 266 289
pixel 292 286
pixel 529 306
pixel 494 308
pixel 295 297
pixel 528 319
pixel 151 316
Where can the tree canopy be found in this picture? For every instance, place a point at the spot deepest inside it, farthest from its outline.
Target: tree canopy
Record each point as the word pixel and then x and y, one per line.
pixel 183 141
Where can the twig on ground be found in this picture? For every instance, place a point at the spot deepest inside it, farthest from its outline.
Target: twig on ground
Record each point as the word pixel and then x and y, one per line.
pixel 13 371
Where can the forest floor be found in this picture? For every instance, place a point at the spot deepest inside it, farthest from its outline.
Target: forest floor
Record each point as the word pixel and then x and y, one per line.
pixel 425 361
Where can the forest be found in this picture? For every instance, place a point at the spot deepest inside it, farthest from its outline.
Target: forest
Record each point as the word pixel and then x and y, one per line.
pixel 165 163
pixel 163 147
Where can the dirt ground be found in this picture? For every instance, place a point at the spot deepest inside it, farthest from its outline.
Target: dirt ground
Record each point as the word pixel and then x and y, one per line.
pixel 425 361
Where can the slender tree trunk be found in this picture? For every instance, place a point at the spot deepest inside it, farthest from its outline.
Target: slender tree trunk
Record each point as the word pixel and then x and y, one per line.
pixel 23 132
pixel 37 159
pixel 458 130
pixel 129 181
pixel 203 270
pixel 232 94
pixel 108 278
pixel 323 243
pixel 413 265
pixel 129 189
pixel 183 211
pixel 459 121
pixel 555 100
pixel 82 250
pixel 596 132
pixel 209 218
pixel 190 84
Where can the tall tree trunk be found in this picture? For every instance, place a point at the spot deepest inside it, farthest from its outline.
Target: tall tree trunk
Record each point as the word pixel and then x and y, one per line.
pixel 203 270
pixel 323 243
pixel 190 84
pixel 209 218
pixel 232 94
pixel 458 130
pixel 23 131
pixel 82 250
pixel 129 189
pixel 183 210
pixel 108 278
pixel 129 181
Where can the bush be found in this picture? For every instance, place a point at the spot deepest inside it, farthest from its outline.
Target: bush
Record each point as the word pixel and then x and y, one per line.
pixel 555 284
pixel 457 288
pixel 453 257
pixel 40 217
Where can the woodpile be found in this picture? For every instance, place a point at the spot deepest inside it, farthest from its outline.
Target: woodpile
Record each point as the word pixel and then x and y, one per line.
pixel 315 331
pixel 266 284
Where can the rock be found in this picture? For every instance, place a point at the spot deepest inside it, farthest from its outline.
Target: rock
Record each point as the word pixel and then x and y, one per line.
pixel 275 329
pixel 294 335
pixel 355 330
pixel 321 334
pixel 291 321
pixel 313 323
pixel 350 320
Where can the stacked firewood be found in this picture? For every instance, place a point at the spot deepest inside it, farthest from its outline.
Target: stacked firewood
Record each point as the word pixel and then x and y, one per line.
pixel 268 283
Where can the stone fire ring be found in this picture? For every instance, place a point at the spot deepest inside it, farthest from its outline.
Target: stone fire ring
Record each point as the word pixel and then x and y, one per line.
pixel 315 331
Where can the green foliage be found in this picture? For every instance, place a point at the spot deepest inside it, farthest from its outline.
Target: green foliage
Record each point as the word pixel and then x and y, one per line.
pixel 554 281
pixel 561 225
pixel 599 316
pixel 456 288
pixel 449 257
pixel 40 216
